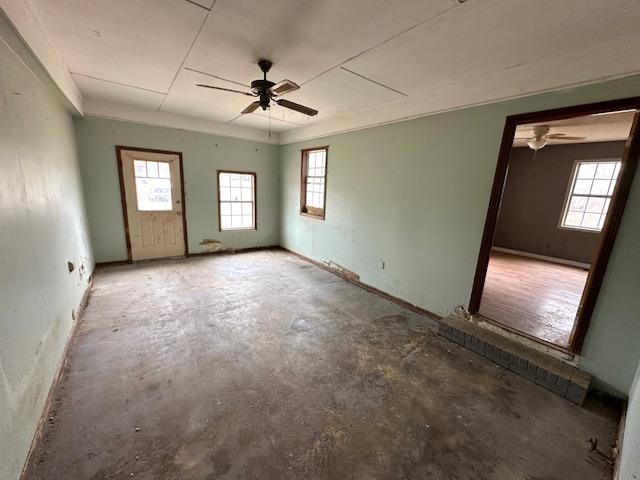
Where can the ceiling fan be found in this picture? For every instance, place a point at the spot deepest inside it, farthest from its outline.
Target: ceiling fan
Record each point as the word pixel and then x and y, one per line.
pixel 266 91
pixel 541 137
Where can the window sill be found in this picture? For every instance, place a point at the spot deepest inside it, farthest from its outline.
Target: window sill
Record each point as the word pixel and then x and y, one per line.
pixel 312 215
pixel 579 229
pixel 236 229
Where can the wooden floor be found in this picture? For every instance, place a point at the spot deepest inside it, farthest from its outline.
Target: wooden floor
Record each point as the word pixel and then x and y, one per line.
pixel 533 296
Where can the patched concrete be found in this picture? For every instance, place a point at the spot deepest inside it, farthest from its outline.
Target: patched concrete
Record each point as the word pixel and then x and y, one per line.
pixel 262 366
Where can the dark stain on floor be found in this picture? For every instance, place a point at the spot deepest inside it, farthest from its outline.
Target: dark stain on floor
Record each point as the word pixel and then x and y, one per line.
pixel 261 366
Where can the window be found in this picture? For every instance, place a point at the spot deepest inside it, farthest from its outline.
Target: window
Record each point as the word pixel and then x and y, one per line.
pixel 590 194
pixel 236 200
pixel 153 185
pixel 314 181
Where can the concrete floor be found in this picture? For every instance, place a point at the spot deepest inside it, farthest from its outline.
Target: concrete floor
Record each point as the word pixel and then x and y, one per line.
pixel 263 366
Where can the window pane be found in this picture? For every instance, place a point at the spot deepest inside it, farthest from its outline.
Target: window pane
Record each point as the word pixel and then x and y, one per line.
pixel 225 208
pixel 246 181
pixel 236 209
pixel 582 186
pixel 591 220
pixel 152 169
pixel 587 170
pixel 573 219
pixel 225 222
pixel 595 205
pixel 246 195
pixel 225 194
pixel 236 180
pixel 605 170
pixel 612 186
pixel 578 203
pixel 247 208
pixel 236 222
pixel 140 167
pixel 600 187
pixel 164 170
pixel 225 180
pixel 247 221
pixel 153 194
pixel 236 193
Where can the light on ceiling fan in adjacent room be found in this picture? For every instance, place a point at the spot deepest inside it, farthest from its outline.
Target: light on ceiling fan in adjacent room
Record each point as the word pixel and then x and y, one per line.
pixel 536 143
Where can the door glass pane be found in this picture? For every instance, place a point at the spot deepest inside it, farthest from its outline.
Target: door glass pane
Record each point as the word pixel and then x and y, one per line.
pixel 153 194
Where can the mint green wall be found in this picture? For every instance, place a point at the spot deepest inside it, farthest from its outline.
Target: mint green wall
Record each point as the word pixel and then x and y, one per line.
pixel 42 226
pixel 629 462
pixel 203 154
pixel 415 194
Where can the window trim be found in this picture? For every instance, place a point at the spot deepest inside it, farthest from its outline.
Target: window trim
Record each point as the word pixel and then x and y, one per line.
pixel 569 190
pixel 255 201
pixel 317 213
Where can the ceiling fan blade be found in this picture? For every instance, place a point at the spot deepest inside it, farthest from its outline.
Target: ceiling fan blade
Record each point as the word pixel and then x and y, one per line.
pixel 225 89
pixel 285 86
pixel 563 136
pixel 297 107
pixel 251 108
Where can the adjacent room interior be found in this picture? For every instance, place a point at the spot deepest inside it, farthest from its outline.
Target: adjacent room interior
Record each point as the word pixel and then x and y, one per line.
pixel 319 239
pixel 559 185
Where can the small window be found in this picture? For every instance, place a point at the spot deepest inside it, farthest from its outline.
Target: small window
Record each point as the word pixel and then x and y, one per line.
pixel 590 194
pixel 237 200
pixel 153 186
pixel 314 182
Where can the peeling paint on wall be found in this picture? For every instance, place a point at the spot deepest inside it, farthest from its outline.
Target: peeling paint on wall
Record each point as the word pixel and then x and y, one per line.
pixel 211 245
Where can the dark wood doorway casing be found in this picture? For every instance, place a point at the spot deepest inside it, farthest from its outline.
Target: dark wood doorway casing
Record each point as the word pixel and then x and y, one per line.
pixel 612 222
pixel 125 216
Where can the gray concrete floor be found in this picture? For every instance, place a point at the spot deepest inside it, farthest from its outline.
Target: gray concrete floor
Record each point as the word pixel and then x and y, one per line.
pixel 263 366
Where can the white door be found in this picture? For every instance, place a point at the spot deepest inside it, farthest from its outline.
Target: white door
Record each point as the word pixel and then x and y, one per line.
pixel 153 195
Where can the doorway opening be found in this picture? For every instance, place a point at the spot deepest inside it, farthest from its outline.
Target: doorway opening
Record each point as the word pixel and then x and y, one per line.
pixel 561 184
pixel 152 193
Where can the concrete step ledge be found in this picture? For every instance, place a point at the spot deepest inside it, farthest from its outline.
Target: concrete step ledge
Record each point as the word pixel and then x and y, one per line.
pixel 550 373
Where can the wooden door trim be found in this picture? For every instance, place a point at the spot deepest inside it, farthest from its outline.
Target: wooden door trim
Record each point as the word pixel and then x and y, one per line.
pixel 612 223
pixel 125 216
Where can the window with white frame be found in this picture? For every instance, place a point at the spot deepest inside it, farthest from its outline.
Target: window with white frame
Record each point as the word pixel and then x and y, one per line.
pixel 237 200
pixel 590 194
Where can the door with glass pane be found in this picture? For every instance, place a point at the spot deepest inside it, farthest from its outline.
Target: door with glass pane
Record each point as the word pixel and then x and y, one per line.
pixel 153 197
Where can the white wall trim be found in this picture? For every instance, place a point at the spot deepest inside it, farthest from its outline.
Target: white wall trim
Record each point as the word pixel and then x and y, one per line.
pixel 27 22
pixel 562 261
pixel 142 116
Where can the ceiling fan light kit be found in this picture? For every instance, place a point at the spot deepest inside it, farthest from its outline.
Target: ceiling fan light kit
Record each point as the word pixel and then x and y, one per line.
pixel 541 137
pixel 266 91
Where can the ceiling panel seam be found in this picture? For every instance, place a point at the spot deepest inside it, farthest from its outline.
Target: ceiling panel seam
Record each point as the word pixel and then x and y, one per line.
pixel 116 83
pixel 195 39
pixel 198 5
pixel 386 40
pixel 373 81
pixel 215 76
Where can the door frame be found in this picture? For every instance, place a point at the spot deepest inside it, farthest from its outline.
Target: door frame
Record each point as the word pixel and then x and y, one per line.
pixel 612 222
pixel 125 216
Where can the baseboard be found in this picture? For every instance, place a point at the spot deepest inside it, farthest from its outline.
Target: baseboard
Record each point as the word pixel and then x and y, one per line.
pixel 232 251
pixel 349 277
pixel 537 256
pixel 114 263
pixel 225 251
pixel 37 437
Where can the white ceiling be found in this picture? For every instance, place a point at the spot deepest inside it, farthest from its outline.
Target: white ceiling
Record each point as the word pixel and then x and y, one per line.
pixel 359 62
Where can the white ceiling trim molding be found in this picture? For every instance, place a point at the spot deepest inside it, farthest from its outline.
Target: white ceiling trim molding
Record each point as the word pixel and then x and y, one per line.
pixel 409 109
pixel 27 22
pixel 128 113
